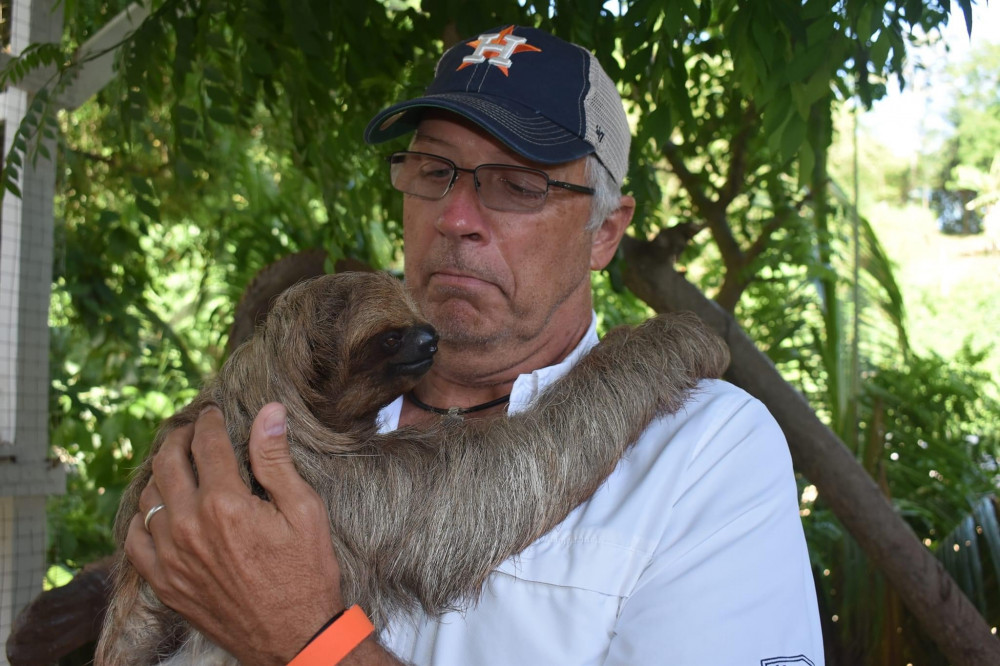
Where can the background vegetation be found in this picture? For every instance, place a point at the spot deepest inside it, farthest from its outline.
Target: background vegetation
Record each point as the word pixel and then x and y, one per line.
pixel 231 138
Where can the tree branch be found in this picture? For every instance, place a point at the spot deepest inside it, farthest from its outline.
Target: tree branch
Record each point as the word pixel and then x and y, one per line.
pixel 735 283
pixel 712 212
pixel 763 239
pixel 738 158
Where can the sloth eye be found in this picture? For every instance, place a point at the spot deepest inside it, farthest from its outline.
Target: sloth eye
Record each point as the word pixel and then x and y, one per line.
pixel 391 341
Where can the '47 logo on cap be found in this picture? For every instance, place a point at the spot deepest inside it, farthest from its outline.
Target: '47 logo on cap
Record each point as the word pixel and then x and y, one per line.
pixel 498 47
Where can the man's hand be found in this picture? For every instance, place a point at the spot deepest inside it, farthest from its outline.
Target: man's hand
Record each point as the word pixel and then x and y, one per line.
pixel 258 578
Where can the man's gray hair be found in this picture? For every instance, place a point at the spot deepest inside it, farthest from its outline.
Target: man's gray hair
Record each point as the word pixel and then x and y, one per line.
pixel 607 193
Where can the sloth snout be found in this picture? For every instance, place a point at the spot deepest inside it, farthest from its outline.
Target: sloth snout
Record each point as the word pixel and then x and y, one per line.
pixel 413 352
pixel 423 338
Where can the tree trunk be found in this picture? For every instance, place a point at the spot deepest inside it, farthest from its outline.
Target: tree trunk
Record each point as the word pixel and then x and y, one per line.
pixel 926 589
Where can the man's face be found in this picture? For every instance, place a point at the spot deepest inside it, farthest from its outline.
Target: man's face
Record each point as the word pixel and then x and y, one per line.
pixel 486 277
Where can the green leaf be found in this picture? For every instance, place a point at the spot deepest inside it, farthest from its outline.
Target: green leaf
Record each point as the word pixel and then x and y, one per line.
pixel 863 26
pixel 12 187
pixel 985 512
pixel 107 217
pixel 658 124
pixel 222 115
pixel 142 187
pixel 260 63
pixel 777 112
pixel 192 152
pixel 792 137
pixel 704 14
pixel 219 95
pixel 807 63
pixel 766 39
pixel 673 20
pixel 185 114
pixel 817 87
pixel 880 50
pixel 966 6
pixel 148 208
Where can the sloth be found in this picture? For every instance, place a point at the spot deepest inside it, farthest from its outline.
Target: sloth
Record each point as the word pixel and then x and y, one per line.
pixel 419 516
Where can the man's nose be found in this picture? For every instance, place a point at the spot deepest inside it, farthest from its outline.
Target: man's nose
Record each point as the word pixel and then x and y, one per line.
pixel 463 215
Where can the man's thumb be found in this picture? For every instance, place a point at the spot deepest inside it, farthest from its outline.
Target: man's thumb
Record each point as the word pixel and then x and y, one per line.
pixel 270 458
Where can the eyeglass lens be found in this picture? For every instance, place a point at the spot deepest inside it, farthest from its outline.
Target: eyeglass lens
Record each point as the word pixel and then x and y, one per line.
pixel 500 187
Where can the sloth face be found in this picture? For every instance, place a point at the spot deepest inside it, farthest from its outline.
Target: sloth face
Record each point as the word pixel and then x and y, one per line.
pixel 361 342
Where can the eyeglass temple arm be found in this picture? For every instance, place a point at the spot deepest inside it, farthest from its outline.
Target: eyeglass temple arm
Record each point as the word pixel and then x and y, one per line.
pixel 571 187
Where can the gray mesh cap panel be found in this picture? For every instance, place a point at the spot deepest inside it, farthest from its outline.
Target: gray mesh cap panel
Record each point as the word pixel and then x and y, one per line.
pixel 607 127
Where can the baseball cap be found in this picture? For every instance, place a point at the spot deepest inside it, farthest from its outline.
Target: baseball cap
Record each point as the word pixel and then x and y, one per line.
pixel 545 98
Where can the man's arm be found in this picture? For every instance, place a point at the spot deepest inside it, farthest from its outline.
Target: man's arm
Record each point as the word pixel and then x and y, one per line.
pixel 257 577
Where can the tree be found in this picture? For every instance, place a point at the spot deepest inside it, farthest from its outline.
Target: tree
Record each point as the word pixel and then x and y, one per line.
pixel 967 186
pixel 975 113
pixel 232 137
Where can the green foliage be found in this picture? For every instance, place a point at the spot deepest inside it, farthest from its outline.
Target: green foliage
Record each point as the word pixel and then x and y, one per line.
pixel 986 185
pixel 938 403
pixel 960 177
pixel 614 305
pixel 930 439
pixel 975 113
pixel 32 138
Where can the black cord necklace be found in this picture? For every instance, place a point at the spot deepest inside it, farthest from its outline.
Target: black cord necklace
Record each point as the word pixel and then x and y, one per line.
pixel 456 411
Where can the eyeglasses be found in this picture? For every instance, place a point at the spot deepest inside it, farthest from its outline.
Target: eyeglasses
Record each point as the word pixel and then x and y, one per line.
pixel 501 187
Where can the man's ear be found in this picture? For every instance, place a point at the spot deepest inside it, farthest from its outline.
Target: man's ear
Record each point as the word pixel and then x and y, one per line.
pixel 609 234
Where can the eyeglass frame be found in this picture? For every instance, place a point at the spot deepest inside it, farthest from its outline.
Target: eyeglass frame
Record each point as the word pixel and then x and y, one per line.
pixel 456 170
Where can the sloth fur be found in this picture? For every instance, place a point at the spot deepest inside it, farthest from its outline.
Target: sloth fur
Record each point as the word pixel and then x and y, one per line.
pixel 419 517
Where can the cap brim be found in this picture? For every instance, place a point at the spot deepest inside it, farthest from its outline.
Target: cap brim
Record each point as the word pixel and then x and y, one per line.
pixel 527 133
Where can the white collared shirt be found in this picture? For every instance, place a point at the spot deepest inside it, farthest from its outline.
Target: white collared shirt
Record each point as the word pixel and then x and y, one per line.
pixel 690 554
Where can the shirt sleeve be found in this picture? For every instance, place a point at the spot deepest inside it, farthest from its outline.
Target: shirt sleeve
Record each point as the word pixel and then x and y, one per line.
pixel 730 582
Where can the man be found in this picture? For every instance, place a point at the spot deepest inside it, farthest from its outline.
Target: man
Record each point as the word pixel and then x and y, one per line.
pixel 690 553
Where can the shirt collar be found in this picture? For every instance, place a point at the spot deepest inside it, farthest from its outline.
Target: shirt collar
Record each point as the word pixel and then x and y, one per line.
pixel 527 387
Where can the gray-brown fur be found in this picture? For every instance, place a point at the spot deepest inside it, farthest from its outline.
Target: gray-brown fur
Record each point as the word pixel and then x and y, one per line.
pixel 419 517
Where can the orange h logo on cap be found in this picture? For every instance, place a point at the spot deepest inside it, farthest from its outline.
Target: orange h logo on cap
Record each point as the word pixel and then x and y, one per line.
pixel 498 47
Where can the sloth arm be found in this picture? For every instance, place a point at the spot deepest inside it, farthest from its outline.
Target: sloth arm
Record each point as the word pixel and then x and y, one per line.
pixel 497 485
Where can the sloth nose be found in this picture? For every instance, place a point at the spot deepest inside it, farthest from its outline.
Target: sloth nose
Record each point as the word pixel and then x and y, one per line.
pixel 423 339
pixel 413 354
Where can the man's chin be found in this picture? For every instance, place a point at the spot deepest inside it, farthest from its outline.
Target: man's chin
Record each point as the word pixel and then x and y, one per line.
pixel 460 321
pixel 459 331
pixel 456 334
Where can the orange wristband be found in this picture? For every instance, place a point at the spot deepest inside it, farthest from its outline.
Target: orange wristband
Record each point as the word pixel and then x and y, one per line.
pixel 336 640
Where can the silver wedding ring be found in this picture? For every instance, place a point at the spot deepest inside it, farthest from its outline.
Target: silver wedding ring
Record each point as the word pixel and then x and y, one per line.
pixel 150 513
